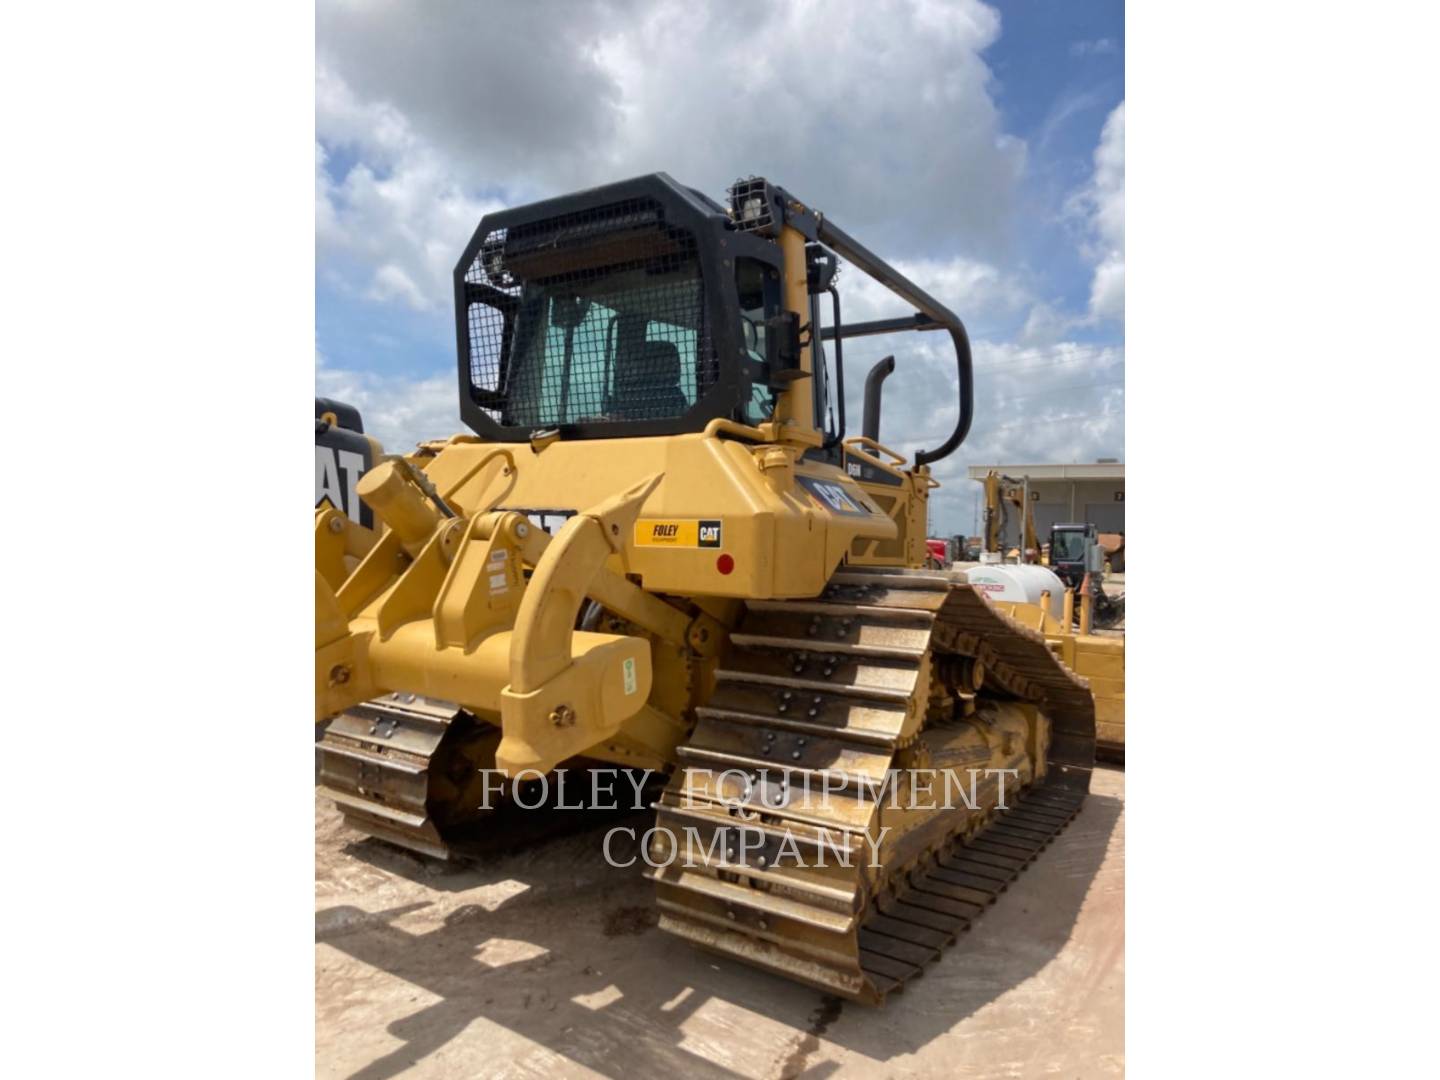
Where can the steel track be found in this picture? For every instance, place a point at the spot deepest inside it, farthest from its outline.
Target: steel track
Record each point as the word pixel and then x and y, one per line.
pixel 823 695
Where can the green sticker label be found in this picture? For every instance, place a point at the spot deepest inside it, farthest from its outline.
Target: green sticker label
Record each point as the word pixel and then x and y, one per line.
pixel 629 668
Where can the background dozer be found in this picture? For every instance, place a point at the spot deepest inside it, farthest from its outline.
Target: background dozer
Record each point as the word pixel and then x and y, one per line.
pixel 343 454
pixel 1083 623
pixel 657 548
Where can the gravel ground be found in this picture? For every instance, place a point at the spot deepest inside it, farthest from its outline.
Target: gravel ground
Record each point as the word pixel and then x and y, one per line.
pixel 547 962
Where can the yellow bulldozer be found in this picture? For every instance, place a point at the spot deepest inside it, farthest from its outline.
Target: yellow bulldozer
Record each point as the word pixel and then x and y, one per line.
pixel 1091 646
pixel 657 549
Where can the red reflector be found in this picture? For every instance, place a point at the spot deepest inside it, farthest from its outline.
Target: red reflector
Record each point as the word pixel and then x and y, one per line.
pixel 724 564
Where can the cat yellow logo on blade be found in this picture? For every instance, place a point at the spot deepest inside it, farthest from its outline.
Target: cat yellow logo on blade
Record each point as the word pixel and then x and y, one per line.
pixel 677 532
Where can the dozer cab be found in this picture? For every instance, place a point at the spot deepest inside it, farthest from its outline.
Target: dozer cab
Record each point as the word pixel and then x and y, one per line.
pixel 658 548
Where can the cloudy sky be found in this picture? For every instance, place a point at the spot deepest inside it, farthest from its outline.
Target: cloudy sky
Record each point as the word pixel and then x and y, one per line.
pixel 981 148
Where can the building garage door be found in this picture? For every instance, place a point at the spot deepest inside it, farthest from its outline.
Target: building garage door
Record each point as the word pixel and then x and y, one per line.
pixel 1047 514
pixel 1108 517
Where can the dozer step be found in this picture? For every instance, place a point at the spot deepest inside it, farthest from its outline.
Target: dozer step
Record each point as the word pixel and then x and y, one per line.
pixel 779 678
pixel 881 677
pixel 840 627
pixel 828 830
pixel 767 912
pixel 827 608
pixel 376 758
pixel 909 601
pixel 825 649
pixel 813 757
pixel 393 815
pixel 816 724
pixel 708 793
pixel 828 972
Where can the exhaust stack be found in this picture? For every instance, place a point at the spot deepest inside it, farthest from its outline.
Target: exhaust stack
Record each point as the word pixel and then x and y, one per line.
pixel 870 425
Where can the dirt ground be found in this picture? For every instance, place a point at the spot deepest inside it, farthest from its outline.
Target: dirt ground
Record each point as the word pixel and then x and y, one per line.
pixel 547 963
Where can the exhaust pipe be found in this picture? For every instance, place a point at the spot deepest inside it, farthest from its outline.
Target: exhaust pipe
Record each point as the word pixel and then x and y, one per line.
pixel 870 425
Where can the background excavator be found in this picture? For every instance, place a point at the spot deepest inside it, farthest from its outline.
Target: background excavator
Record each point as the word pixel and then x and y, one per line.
pixel 1078 556
pixel 658 548
pixel 1000 491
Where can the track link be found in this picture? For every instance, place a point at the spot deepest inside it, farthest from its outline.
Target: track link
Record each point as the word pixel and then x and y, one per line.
pixel 815 703
pixel 386 764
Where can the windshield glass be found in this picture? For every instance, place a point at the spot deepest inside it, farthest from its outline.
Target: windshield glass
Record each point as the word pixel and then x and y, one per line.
pixel 1067 546
pixel 755 306
pixel 626 345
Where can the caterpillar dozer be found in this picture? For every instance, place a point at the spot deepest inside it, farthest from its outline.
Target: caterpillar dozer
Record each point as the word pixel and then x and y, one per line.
pixel 343 454
pixel 656 548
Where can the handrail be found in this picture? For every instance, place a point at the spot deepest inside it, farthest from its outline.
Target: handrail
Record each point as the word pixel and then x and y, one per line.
pixel 734 427
pixel 865 440
pixel 869 459
pixel 839 435
pixel 930 315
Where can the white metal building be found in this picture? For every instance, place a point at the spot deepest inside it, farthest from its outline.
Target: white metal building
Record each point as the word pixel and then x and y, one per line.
pixel 1060 493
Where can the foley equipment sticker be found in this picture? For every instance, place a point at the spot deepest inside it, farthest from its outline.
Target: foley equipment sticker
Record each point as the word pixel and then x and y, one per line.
pixel 677 533
pixel 629 669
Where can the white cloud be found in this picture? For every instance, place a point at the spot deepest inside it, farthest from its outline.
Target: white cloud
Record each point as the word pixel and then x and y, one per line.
pixel 1097 47
pixel 1044 325
pixel 972 289
pixel 399 411
pixel 1062 401
pixel 712 91
pixel 1107 289
pixel 1104 201
pixel 393 226
pixel 520 101
pixel 393 283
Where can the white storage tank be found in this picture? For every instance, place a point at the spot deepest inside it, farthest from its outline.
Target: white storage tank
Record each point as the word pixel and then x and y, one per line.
pixel 1018 583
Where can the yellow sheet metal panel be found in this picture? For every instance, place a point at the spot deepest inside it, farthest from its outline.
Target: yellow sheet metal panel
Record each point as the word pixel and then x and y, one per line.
pixel 1111 708
pixel 1107 661
pixel 719 523
pixel 1102 687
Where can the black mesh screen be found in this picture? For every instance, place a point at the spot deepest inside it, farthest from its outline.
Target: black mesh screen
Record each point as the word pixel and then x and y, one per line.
pixel 593 316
